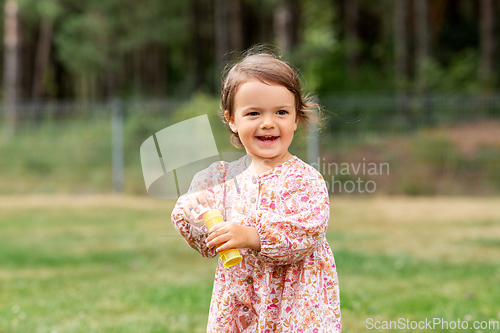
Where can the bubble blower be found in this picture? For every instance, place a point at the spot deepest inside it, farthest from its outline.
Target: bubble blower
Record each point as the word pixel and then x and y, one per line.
pixel 211 217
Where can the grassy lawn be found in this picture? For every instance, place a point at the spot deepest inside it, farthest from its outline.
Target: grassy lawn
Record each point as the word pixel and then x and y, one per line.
pixel 116 264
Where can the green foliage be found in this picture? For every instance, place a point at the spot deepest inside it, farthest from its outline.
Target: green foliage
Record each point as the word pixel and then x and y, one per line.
pixel 83 43
pixel 321 56
pixel 417 186
pixel 487 160
pixel 459 75
pixel 198 105
pixel 99 45
pixel 140 125
pixel 49 8
pixel 325 72
pixel 97 35
pixel 436 151
pixel 71 155
pixel 201 104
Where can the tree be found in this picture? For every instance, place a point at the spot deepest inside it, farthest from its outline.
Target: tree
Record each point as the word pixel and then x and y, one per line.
pixel 105 43
pixel 286 23
pixel 422 54
pixel 236 39
pixel 221 33
pixel 422 39
pixel 11 65
pixel 353 42
pixel 229 38
pixel 48 11
pixel 487 43
pixel 401 43
pixel 401 56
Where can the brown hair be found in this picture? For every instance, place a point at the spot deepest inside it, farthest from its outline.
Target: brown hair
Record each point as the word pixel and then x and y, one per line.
pixel 267 68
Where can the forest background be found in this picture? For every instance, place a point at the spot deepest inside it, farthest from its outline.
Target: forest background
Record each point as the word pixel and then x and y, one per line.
pixel 409 83
pixel 96 50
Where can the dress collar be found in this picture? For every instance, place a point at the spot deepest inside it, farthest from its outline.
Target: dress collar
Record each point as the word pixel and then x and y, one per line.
pixel 276 169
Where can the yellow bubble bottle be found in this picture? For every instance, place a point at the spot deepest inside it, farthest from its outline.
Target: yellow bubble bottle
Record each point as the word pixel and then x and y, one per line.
pixel 229 257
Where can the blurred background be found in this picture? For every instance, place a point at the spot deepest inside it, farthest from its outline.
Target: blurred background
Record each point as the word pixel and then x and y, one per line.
pixel 409 147
pixel 409 83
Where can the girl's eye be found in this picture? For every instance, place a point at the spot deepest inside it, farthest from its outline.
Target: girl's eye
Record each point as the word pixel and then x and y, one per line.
pixel 282 112
pixel 252 114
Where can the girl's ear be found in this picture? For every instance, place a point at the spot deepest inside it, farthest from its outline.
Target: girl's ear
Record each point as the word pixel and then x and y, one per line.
pixel 230 121
pixel 296 123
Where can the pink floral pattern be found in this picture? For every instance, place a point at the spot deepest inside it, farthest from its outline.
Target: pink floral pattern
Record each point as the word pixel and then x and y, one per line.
pixel 291 284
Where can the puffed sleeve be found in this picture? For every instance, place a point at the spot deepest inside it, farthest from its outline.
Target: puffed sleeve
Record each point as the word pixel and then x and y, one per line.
pixel 298 227
pixel 207 179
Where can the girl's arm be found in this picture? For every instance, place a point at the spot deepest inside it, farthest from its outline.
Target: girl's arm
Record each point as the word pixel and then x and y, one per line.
pixel 195 235
pixel 298 227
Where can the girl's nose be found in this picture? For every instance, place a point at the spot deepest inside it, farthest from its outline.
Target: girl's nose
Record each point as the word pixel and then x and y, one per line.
pixel 267 122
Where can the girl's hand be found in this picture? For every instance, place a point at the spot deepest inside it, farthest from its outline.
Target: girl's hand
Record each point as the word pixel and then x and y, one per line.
pixel 229 235
pixel 203 198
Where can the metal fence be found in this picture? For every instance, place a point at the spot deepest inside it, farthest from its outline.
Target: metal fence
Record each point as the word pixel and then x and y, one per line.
pixel 94 147
pixel 400 113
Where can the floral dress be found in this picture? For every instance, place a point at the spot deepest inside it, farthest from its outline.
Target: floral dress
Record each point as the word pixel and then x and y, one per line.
pixel 290 284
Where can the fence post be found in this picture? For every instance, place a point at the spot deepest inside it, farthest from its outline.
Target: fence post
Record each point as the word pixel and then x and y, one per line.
pixel 313 143
pixel 117 145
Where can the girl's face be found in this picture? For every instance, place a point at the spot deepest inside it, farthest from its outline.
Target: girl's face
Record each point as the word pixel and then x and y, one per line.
pixel 265 119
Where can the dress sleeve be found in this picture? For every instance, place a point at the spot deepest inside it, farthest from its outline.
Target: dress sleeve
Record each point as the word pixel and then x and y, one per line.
pixel 195 236
pixel 298 228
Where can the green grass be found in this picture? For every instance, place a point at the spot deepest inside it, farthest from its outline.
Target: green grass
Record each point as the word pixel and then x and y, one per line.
pixel 118 265
pixel 103 270
pixel 394 287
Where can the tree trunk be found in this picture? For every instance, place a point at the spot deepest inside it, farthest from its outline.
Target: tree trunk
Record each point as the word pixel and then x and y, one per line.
pixel 401 58
pixel 422 37
pixel 352 36
pixel 286 22
pixel 235 26
pixel 11 66
pixel 159 71
pixel 401 43
pixel 487 41
pixel 422 55
pixel 42 58
pixel 109 85
pixel 137 70
pixel 197 21
pixel 339 20
pixel 221 35
pixel 387 23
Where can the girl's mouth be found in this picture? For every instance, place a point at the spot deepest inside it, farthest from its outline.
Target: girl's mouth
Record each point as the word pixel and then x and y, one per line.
pixel 267 140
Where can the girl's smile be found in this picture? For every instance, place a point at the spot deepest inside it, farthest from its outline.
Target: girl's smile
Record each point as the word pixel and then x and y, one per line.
pixel 265 120
pixel 267 140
